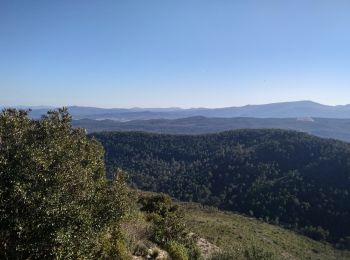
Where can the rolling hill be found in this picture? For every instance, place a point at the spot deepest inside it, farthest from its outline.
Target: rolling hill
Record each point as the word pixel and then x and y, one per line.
pixel 274 110
pixel 322 127
pixel 286 177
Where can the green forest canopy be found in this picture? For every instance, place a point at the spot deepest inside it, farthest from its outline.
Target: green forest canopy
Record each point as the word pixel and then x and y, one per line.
pixel 286 177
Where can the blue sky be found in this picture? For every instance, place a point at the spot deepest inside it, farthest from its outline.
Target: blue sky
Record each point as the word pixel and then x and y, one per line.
pixel 186 53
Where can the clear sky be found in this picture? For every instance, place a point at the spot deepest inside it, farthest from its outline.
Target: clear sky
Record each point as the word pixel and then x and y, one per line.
pixel 162 53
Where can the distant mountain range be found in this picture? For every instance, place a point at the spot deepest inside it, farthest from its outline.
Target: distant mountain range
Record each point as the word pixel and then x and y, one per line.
pixel 305 116
pixel 275 110
pixel 322 127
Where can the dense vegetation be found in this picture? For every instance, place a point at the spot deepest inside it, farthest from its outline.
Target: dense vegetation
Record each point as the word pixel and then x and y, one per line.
pixel 168 227
pixel 57 203
pixel 55 199
pixel 284 177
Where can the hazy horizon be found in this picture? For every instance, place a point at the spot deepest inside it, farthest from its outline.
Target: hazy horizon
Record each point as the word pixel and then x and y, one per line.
pixel 169 107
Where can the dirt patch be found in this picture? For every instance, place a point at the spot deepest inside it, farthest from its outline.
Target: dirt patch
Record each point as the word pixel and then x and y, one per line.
pixel 206 248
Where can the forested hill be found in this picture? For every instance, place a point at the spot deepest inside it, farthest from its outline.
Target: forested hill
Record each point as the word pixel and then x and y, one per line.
pixel 285 177
pixel 322 127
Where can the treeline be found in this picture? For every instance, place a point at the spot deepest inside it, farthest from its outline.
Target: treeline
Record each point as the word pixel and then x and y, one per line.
pixel 284 177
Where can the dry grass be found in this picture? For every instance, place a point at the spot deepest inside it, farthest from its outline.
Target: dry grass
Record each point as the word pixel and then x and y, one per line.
pixel 235 232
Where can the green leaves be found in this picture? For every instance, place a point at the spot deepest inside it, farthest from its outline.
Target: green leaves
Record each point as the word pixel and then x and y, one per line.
pixel 55 200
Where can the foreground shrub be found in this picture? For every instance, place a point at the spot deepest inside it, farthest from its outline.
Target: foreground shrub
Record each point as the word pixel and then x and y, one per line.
pixel 121 252
pixel 55 201
pixel 140 250
pixel 177 251
pixel 159 204
pixel 168 224
pixel 168 228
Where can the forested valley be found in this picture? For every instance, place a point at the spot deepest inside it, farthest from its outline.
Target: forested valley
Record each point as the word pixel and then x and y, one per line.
pixel 284 177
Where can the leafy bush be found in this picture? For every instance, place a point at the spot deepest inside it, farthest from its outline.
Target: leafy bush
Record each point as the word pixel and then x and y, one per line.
pixel 168 223
pixel 177 251
pixel 55 200
pixel 170 227
pixel 140 250
pixel 159 204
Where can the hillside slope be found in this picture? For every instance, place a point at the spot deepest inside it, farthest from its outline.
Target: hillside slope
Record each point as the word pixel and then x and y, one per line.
pixel 220 235
pixel 232 232
pixel 287 177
